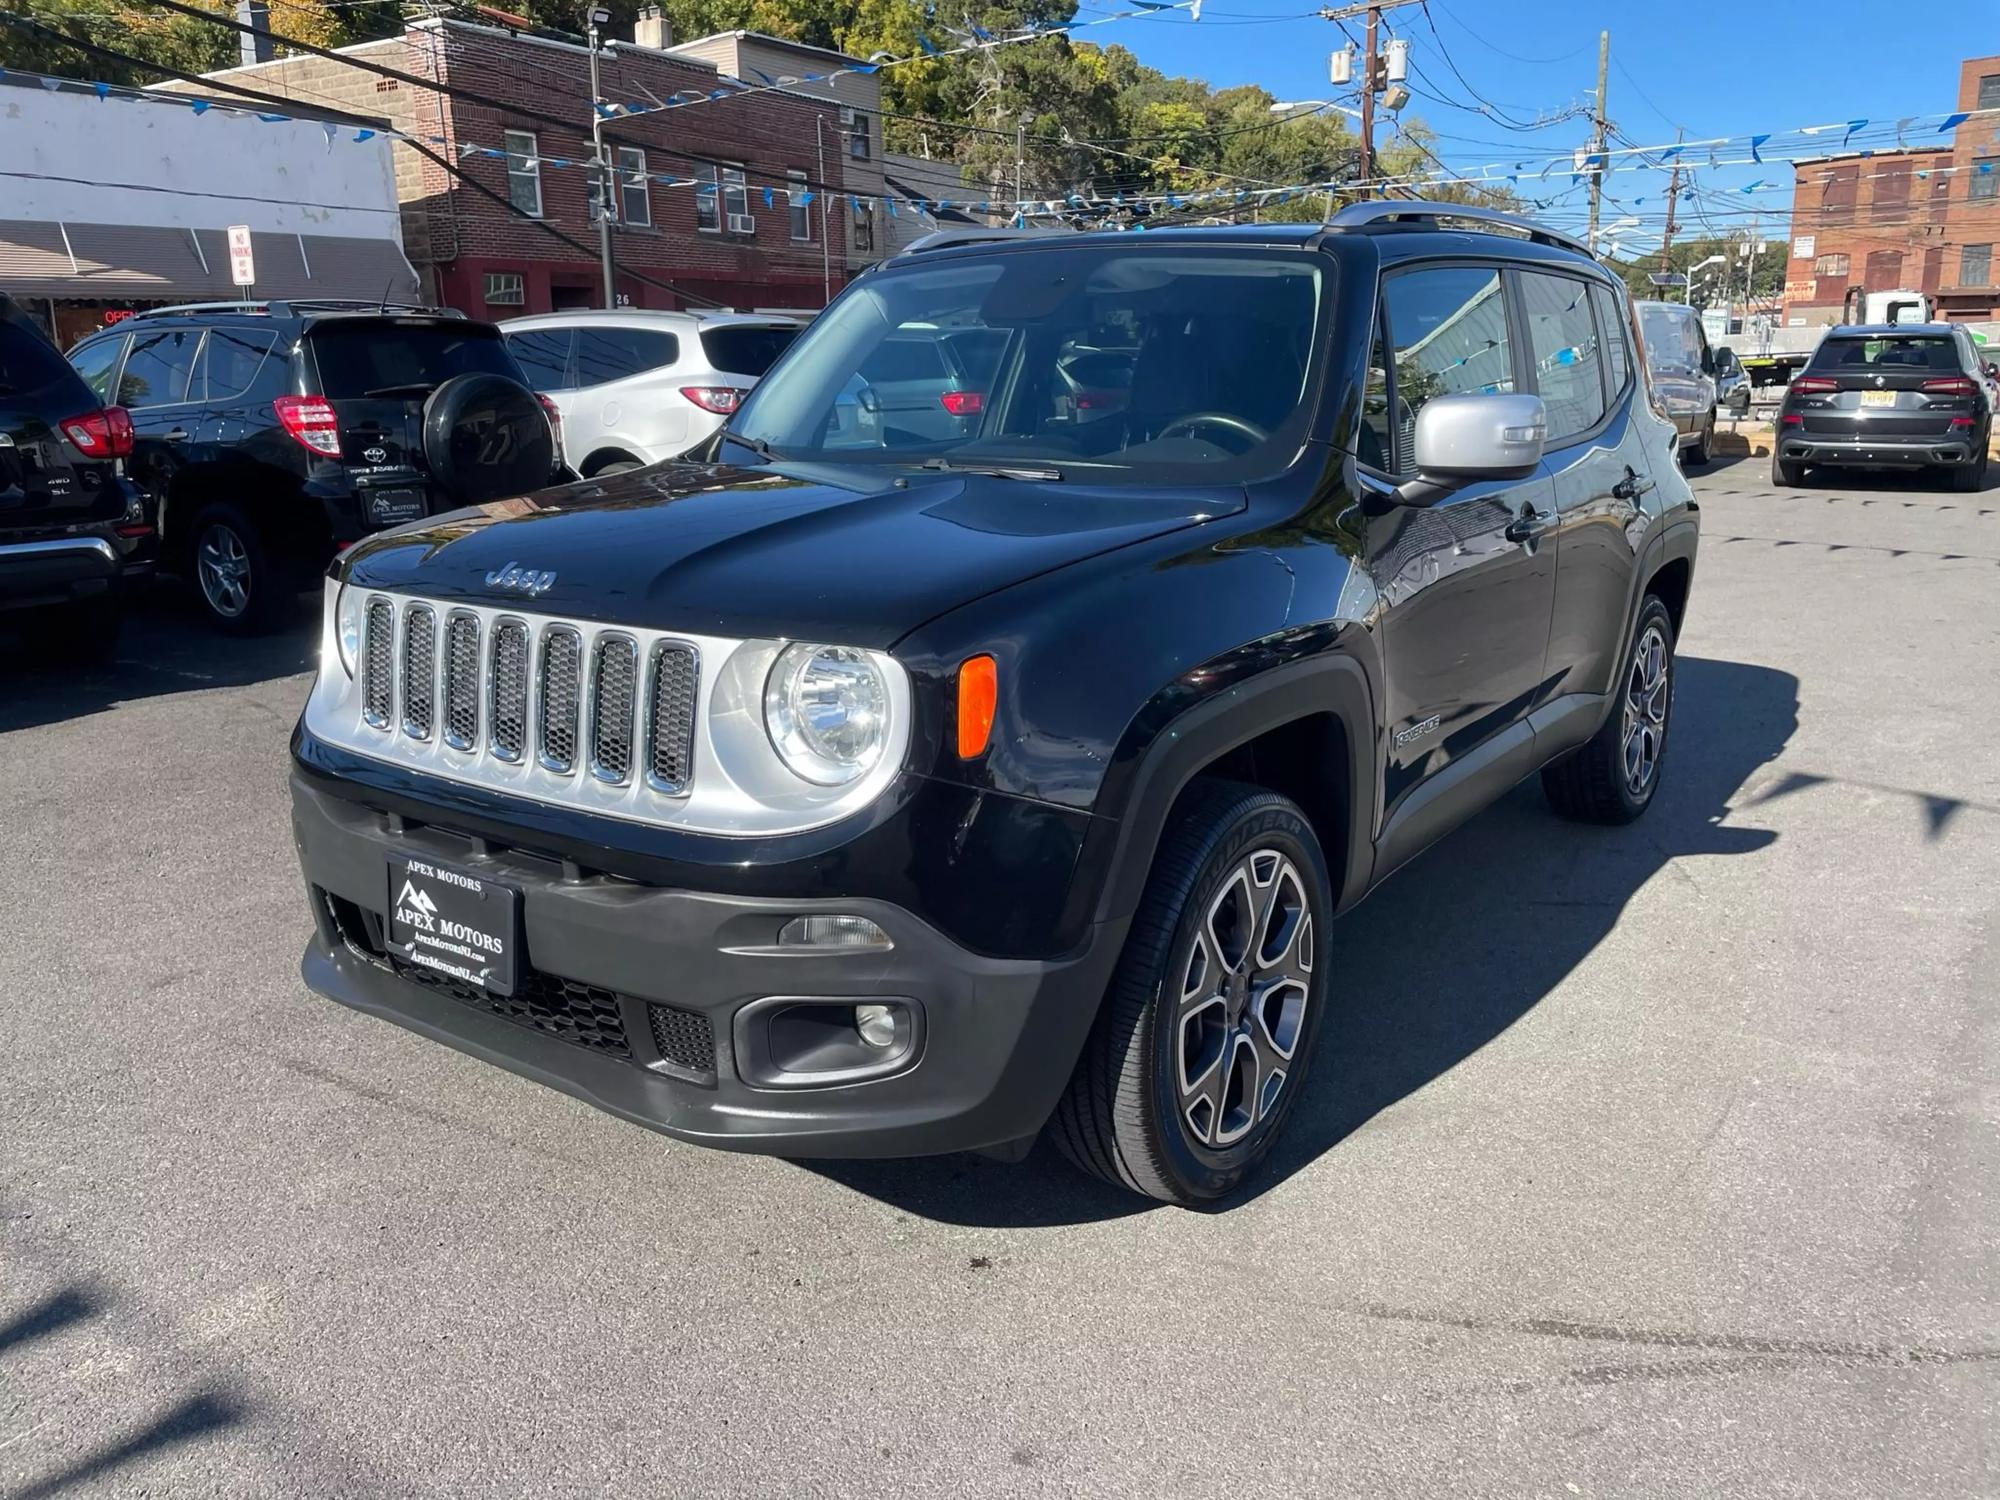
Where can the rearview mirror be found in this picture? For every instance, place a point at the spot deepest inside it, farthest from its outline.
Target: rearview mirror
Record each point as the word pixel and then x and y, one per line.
pixel 1463 438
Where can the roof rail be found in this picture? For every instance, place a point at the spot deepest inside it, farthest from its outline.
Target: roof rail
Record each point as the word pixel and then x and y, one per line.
pixel 946 239
pixel 284 307
pixel 1423 211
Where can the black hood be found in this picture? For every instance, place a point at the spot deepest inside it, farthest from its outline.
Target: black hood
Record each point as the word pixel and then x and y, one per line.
pixel 847 555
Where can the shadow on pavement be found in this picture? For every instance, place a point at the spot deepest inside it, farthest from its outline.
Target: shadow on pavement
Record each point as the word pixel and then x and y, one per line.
pixel 166 646
pixel 1440 961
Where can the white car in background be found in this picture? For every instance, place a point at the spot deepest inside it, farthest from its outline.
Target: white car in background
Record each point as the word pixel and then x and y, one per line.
pixel 636 386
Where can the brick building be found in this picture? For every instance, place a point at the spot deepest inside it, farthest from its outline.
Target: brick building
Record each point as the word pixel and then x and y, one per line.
pixel 1925 218
pixel 729 231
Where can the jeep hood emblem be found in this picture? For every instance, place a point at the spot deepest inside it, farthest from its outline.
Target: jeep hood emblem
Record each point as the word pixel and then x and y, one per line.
pixel 520 580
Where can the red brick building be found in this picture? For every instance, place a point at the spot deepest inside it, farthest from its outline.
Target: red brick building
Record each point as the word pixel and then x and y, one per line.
pixel 712 236
pixel 1925 218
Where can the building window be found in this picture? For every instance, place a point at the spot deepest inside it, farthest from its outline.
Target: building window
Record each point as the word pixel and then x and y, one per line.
pixel 732 199
pixel 1830 265
pixel 1989 91
pixel 855 127
pixel 1985 178
pixel 802 219
pixel 506 289
pixel 635 199
pixel 1836 201
pixel 524 172
pixel 1975 265
pixel 864 224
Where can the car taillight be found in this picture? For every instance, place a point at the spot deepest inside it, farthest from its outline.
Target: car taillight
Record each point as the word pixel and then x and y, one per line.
pixel 1949 385
pixel 310 419
pixel 963 403
pixel 720 399
pixel 101 434
pixel 1805 385
pixel 554 415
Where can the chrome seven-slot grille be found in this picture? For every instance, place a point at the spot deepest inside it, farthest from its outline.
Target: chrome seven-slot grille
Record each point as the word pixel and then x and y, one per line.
pixel 597 705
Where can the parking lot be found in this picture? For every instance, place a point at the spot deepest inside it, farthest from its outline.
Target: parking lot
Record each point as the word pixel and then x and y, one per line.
pixel 1646 1160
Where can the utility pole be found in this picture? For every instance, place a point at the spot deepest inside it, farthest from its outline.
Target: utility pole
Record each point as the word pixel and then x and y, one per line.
pixel 1673 197
pixel 1373 78
pixel 1020 152
pixel 825 212
pixel 607 187
pixel 1598 138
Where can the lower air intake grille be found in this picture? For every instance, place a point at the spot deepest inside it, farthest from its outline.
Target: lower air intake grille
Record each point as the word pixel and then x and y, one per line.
pixel 509 709
pixel 684 1038
pixel 461 682
pixel 585 1014
pixel 419 672
pixel 616 689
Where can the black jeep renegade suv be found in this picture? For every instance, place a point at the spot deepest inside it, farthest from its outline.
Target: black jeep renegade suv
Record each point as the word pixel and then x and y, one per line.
pixel 881 793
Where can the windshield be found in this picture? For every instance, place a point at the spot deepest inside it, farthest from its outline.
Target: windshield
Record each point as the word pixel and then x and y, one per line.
pixel 1117 361
pixel 29 362
pixel 360 355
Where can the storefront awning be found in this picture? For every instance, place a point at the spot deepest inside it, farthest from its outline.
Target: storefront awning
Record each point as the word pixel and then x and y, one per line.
pixel 142 262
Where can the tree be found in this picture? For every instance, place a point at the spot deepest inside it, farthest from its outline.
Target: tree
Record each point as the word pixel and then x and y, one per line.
pixel 1718 282
pixel 174 41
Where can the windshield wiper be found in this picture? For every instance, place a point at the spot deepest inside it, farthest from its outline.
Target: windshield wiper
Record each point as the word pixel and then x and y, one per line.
pixel 941 465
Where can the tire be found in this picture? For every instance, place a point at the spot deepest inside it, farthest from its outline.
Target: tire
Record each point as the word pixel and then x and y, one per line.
pixel 1232 851
pixel 83 634
pixel 615 466
pixel 1787 473
pixel 1699 453
pixel 1968 477
pixel 1608 780
pixel 242 587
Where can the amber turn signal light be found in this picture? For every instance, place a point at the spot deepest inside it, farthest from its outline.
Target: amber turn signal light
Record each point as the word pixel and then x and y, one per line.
pixel 978 696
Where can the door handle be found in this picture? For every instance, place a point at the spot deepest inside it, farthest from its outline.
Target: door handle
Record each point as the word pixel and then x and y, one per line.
pixel 1529 524
pixel 1631 487
pixel 178 435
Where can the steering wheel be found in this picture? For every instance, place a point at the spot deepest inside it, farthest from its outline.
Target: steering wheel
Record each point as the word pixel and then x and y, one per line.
pixel 1228 422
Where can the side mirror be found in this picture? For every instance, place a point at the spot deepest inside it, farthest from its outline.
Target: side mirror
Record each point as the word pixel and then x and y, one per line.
pixel 867 400
pixel 1993 370
pixel 1725 360
pixel 1463 438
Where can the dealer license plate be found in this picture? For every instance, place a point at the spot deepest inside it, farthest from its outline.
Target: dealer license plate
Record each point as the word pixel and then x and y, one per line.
pixel 1878 398
pixel 388 507
pixel 461 925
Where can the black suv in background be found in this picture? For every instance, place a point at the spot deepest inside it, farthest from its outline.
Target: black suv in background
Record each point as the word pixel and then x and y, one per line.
pixel 72 527
pixel 870 799
pixel 1888 396
pixel 270 434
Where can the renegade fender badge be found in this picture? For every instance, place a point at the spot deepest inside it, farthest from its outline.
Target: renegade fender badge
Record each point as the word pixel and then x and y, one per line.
pixel 521 580
pixel 1416 731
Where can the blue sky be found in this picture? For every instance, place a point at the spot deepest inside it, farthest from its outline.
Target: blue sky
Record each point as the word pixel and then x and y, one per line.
pixel 1693 65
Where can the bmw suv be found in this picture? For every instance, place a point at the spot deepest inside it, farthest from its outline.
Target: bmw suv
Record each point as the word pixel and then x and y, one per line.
pixel 270 434
pixel 935 791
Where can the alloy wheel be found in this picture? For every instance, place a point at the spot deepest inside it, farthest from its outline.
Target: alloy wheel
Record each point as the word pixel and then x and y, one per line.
pixel 1243 1000
pixel 222 566
pixel 1645 710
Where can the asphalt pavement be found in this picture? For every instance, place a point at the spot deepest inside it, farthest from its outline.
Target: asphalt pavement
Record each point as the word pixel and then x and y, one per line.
pixel 1658 1160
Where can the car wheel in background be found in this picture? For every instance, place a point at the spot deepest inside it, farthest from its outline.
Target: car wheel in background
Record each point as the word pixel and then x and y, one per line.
pixel 1968 477
pixel 1704 445
pixel 1787 473
pixel 1612 778
pixel 241 586
pixel 1203 1041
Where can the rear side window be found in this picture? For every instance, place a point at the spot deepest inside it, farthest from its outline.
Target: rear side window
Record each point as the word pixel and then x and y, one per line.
pixel 1448 331
pixel 1611 318
pixel 613 353
pixel 95 363
pixel 743 350
pixel 1569 361
pixel 29 362
pixel 1886 355
pixel 158 368
pixel 544 356
pixel 230 361
pixel 363 356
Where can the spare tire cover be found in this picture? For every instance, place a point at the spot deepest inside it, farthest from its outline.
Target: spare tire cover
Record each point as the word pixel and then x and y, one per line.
pixel 486 437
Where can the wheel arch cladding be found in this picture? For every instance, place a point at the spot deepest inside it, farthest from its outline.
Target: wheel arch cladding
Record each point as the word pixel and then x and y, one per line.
pixel 1670 581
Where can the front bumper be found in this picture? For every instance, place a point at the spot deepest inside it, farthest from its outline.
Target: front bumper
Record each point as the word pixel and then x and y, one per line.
pixel 629 989
pixel 1861 452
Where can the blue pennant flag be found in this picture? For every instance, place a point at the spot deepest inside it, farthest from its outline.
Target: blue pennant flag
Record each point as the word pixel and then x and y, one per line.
pixel 1173 200
pixel 1983 167
pixel 491 151
pixel 1952 122
pixel 605 111
pixel 102 90
pixel 273 119
pixel 1672 151
pixel 718 93
pixel 364 135
pixel 980 31
pixel 200 107
pixel 805 198
pixel 854 202
pixel 929 46
pixel 863 67
pixel 765 77
pixel 891 202
pixel 1752 187
pixel 983 204
pixel 1755 142
pixel 815 78
pixel 767 197
pixel 1852 126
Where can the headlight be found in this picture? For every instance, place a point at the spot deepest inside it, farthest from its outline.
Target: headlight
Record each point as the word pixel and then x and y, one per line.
pixel 347 627
pixel 826 709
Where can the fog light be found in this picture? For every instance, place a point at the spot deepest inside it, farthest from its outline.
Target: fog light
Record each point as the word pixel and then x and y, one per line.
pixel 845 933
pixel 877 1024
